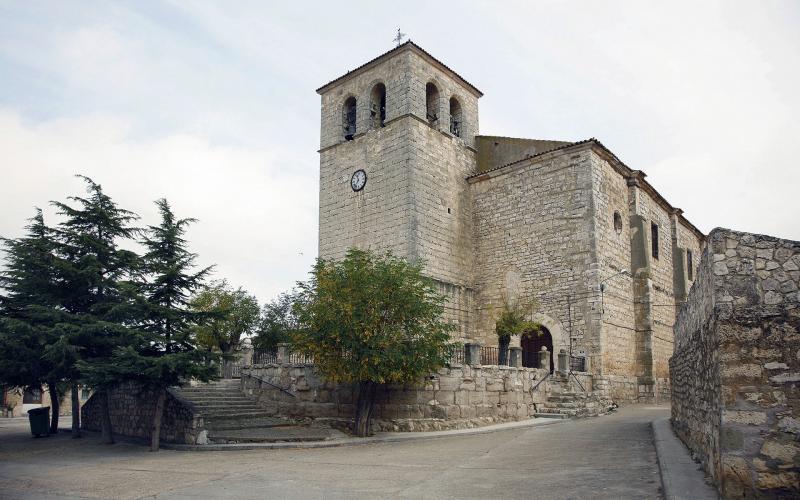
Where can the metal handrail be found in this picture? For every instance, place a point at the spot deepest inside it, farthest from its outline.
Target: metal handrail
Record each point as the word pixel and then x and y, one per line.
pixel 576 380
pixel 261 379
pixel 540 382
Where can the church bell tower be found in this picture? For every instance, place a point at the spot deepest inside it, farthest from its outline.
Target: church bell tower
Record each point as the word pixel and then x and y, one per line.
pixel 397 143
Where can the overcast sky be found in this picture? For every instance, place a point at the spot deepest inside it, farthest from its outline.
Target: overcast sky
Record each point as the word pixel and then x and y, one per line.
pixel 212 105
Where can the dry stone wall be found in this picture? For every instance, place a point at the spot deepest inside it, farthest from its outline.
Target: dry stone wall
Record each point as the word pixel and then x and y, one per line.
pixel 736 367
pixel 454 397
pixel 132 410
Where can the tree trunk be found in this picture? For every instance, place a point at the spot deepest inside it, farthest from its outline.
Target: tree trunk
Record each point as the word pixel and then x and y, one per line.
pixel 107 434
pixel 502 350
pixel 76 411
pixel 52 388
pixel 366 397
pixel 155 434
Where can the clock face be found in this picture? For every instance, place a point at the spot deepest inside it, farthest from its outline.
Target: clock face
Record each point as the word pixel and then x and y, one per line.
pixel 358 180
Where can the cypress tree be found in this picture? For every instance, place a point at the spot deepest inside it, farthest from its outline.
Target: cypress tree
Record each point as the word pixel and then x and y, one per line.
pixel 164 353
pixel 171 356
pixel 95 287
pixel 28 313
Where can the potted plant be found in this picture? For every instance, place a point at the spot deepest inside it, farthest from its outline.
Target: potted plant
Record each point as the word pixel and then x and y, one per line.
pixel 512 320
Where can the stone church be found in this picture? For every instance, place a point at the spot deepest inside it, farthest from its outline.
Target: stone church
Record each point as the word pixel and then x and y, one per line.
pixel 606 258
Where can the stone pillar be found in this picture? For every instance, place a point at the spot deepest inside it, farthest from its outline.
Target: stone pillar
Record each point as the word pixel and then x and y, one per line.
pixel 472 354
pixel 544 359
pixel 283 354
pixel 247 357
pixel 563 362
pixel 515 357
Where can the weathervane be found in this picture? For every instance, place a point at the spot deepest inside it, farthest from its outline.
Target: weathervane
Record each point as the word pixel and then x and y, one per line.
pixel 399 38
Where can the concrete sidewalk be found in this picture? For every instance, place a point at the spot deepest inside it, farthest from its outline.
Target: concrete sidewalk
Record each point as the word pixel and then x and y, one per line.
pixel 381 437
pixel 681 477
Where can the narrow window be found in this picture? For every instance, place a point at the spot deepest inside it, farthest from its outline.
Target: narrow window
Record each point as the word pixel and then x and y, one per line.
pixel 377 105
pixel 617 223
pixel 654 238
pixel 431 103
pixel 455 117
pixel 85 393
pixel 689 267
pixel 349 118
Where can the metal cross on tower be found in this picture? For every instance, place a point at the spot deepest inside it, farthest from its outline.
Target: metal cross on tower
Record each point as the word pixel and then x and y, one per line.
pixel 399 38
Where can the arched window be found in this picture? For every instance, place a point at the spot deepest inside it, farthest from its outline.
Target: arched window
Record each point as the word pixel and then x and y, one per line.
pixel 617 223
pixel 456 120
pixel 431 103
pixel 377 105
pixel 349 118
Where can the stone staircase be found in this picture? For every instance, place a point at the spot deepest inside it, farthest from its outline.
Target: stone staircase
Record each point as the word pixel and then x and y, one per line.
pixel 565 401
pixel 231 417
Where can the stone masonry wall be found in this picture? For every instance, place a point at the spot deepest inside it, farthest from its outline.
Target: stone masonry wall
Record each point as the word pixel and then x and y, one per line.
pixel 132 412
pixel 533 226
pixel 736 367
pixel 616 313
pixel 455 397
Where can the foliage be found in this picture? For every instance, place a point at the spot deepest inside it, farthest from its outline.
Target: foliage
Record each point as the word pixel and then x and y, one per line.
pixel 231 314
pixel 162 351
pixel 96 285
pixel 28 312
pixel 26 305
pixel 512 320
pixel 277 323
pixel 77 307
pixel 371 319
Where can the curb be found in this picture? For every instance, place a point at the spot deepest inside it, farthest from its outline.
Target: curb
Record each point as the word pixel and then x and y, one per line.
pixel 393 437
pixel 681 477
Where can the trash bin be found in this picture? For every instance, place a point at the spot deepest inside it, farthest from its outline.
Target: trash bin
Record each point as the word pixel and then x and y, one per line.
pixel 40 421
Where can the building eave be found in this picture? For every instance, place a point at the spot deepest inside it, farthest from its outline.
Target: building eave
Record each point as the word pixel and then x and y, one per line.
pixel 407 46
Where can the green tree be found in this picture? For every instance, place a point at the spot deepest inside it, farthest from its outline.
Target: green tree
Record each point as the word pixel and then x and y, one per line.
pixel 512 320
pixel 231 314
pixel 165 352
pixel 371 319
pixel 277 323
pixel 95 287
pixel 28 313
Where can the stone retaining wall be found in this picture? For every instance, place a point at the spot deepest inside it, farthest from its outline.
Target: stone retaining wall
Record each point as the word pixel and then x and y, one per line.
pixel 455 397
pixel 132 411
pixel 736 367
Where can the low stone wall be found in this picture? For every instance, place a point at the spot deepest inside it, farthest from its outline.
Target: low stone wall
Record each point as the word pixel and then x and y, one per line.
pixel 625 389
pixel 455 397
pixel 736 366
pixel 132 410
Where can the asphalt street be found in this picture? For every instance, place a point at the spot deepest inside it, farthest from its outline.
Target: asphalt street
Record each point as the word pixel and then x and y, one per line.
pixel 611 456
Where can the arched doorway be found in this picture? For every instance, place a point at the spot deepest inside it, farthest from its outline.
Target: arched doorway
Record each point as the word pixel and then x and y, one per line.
pixel 532 344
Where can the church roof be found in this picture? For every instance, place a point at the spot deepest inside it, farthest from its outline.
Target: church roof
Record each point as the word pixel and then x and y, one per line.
pixel 616 163
pixel 409 45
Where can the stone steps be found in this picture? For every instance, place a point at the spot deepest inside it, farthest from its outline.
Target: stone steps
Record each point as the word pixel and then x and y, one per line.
pixel 550 415
pixel 231 417
pixel 270 435
pixel 240 424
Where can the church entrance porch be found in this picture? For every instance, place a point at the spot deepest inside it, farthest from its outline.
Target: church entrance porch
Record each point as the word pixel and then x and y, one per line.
pixel 532 344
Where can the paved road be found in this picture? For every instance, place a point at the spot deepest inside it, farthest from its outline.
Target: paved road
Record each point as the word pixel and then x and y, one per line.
pixel 605 457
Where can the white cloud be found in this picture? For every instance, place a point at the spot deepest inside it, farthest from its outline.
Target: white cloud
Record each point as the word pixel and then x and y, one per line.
pixel 255 218
pixel 215 109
